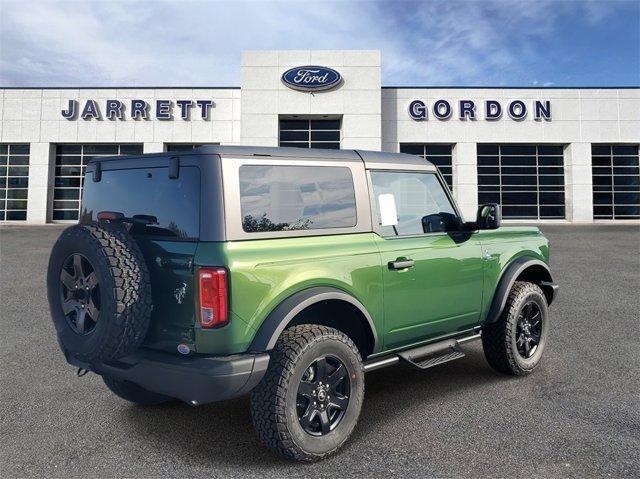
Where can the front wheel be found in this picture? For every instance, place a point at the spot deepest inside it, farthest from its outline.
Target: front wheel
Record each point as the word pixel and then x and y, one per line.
pixel 309 401
pixel 515 342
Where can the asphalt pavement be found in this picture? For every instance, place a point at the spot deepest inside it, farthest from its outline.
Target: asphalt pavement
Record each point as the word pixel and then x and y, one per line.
pixel 578 415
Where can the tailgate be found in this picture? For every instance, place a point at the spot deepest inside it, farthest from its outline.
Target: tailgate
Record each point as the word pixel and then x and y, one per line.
pixel 170 265
pixel 163 214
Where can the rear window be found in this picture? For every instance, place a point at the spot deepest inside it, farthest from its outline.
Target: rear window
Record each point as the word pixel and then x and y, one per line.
pixel 166 207
pixel 285 198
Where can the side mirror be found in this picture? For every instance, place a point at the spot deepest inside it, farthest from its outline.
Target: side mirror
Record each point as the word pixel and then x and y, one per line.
pixel 440 222
pixel 489 217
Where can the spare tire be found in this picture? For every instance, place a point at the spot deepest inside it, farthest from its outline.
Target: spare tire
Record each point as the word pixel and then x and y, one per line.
pixel 99 292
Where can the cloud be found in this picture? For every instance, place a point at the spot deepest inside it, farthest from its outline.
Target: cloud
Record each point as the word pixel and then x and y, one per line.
pixel 198 43
pixel 477 43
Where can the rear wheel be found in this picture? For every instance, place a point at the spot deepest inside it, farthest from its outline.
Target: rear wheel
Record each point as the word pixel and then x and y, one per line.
pixel 133 393
pixel 309 401
pixel 514 344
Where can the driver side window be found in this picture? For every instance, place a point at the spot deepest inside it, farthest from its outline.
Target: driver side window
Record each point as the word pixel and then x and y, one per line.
pixel 421 204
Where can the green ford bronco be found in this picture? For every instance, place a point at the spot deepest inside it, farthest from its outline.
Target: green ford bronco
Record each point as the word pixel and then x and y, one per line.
pixel 287 273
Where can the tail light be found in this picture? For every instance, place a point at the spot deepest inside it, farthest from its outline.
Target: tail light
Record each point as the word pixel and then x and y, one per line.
pixel 110 216
pixel 214 295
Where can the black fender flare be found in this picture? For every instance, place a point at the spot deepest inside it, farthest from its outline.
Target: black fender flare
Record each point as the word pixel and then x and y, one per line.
pixel 277 320
pixel 508 278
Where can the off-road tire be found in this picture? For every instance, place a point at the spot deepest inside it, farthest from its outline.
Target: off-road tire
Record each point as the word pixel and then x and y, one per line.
pixel 273 401
pixel 133 393
pixel 125 292
pixel 498 339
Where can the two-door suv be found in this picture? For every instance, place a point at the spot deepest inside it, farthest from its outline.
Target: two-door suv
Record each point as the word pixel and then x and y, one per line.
pixel 287 273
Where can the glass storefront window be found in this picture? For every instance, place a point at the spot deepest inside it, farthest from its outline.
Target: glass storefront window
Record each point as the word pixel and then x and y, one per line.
pixel 439 155
pixel 310 133
pixel 14 182
pixel 186 146
pixel 526 180
pixel 70 164
pixel 616 181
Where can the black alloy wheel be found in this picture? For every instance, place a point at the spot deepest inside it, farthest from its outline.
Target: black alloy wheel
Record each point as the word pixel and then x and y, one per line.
pixel 323 395
pixel 529 329
pixel 99 292
pixel 514 343
pixel 308 402
pixel 80 294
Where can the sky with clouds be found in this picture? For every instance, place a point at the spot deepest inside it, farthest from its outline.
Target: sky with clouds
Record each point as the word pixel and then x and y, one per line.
pixel 198 43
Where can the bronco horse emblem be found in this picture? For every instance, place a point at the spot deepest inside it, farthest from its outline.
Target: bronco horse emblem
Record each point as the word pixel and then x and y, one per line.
pixel 180 293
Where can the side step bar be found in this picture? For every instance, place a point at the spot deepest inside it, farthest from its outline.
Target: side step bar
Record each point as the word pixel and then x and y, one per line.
pixel 424 357
pixel 433 354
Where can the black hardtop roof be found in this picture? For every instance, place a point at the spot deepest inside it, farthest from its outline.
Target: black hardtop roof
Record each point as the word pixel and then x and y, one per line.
pixel 371 159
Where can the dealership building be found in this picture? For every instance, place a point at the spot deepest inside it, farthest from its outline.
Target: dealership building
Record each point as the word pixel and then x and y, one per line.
pixel 567 155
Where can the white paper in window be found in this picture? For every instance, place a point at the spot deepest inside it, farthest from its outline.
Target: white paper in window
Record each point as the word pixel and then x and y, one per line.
pixel 388 212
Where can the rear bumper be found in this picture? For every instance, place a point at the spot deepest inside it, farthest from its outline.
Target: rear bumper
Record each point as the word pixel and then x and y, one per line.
pixel 193 379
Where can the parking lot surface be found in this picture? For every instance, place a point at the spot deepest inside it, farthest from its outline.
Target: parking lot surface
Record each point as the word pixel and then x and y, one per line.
pixel 578 415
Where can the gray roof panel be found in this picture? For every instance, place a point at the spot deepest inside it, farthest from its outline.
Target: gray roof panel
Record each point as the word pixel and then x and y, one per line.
pixel 372 159
pixel 283 152
pixel 380 160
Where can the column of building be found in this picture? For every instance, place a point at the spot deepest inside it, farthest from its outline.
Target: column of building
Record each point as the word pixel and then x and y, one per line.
pixel 465 178
pixel 41 179
pixel 578 183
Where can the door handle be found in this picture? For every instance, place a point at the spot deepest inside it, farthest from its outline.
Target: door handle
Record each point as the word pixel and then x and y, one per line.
pixel 401 264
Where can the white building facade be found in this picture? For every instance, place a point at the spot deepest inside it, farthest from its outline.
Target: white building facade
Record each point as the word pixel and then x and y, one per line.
pixel 544 154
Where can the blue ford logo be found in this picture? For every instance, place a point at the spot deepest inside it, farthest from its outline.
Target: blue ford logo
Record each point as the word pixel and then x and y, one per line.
pixel 311 78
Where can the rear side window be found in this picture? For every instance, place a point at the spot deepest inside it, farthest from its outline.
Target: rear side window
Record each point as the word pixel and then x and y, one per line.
pixel 285 198
pixel 151 202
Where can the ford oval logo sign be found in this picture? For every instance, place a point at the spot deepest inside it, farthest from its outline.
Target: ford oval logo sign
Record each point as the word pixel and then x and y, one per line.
pixel 311 78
